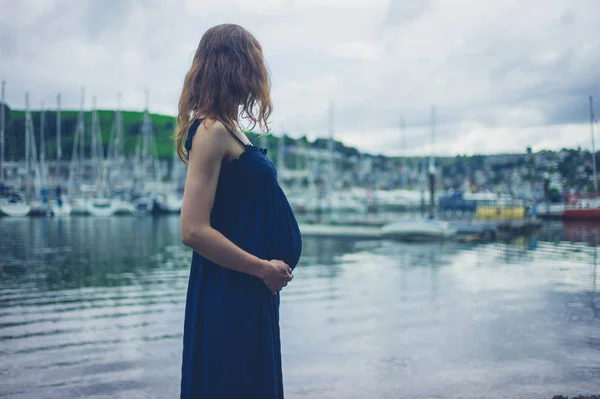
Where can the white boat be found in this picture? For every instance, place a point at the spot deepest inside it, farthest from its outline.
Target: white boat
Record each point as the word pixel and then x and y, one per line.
pixel 398 199
pixel 550 211
pixel 101 207
pixel 170 203
pixel 342 203
pixel 14 208
pixel 418 230
pixel 143 204
pixel 39 208
pixel 79 206
pixel 62 209
pixel 123 207
pixel 336 203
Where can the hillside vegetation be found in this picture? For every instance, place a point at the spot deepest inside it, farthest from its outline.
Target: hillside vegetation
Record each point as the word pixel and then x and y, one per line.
pixel 163 126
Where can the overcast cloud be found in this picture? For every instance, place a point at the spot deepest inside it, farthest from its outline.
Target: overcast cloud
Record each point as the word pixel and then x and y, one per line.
pixel 503 74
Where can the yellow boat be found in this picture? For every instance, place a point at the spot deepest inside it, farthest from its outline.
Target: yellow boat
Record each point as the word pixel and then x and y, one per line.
pixel 501 212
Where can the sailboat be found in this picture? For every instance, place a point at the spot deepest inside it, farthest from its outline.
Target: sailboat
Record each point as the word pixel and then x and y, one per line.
pixel 100 204
pixel 41 207
pixel 75 184
pixel 147 171
pixel 13 205
pixel 404 198
pixel 117 171
pixel 336 201
pixel 299 183
pixel 422 229
pixel 586 207
pixel 172 200
pixel 59 206
pixel 9 206
pixel 16 206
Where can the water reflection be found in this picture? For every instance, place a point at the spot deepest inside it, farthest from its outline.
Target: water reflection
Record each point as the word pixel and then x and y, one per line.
pixel 94 307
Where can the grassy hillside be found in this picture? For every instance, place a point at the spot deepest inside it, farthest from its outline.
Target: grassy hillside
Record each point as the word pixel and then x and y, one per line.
pixel 132 122
pixel 163 125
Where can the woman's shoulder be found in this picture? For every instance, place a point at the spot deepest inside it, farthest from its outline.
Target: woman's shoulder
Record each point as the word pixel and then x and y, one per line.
pixel 210 133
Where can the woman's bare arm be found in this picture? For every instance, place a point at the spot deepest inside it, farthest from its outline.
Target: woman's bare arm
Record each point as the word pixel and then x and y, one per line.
pixel 210 147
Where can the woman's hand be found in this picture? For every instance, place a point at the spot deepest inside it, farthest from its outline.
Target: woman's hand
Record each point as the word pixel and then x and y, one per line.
pixel 276 275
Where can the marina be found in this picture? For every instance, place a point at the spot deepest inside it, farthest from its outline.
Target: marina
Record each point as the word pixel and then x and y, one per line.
pixel 386 199
pixel 103 180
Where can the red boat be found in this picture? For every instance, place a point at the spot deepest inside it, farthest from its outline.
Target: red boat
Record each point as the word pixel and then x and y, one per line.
pixel 582 208
pixel 585 207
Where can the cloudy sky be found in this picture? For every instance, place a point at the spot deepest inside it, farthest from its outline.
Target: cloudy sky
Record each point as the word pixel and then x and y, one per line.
pixel 502 74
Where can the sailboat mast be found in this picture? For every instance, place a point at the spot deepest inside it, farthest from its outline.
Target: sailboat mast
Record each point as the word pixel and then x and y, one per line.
pixel 94 150
pixel 2 105
pixel 145 134
pixel 97 153
pixel 81 139
pixel 43 145
pixel 281 151
pixel 58 140
pixel 27 146
pixel 404 172
pixel 431 155
pixel 432 167
pixel 32 186
pixel 593 146
pixel 331 150
pixel 118 150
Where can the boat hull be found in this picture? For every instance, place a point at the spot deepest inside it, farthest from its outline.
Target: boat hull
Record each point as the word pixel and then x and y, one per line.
pixel 101 207
pixel 14 209
pixel 418 230
pixel 61 210
pixel 581 214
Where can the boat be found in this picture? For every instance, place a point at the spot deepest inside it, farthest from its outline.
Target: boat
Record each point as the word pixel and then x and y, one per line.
pixel 585 207
pixel 60 208
pixel 101 207
pixel 123 207
pixel 418 230
pixel 456 204
pixel 14 208
pixel 170 203
pixel 2 127
pixel 582 208
pixel 79 206
pixel 39 208
pixel 148 174
pixel 500 212
pixel 476 230
pixel 147 204
pixel 344 203
pixel 336 202
pixel 550 211
pixel 395 200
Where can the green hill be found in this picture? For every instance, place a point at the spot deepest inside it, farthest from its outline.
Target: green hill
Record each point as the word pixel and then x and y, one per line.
pixel 132 122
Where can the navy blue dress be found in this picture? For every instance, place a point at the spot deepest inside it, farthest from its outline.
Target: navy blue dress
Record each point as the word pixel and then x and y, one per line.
pixel 231 346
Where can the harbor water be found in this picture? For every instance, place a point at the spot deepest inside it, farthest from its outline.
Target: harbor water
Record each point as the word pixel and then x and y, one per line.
pixel 93 307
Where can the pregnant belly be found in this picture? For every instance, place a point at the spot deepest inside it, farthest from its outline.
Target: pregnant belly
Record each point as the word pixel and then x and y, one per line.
pixel 285 241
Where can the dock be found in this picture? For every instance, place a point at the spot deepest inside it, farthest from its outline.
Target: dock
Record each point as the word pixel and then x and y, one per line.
pixel 466 230
pixel 340 231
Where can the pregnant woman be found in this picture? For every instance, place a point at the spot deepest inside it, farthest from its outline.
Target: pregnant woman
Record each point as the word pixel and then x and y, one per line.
pixel 237 220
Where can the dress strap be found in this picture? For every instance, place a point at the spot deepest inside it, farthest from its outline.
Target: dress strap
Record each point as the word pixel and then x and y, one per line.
pixel 194 126
pixel 235 136
pixel 191 133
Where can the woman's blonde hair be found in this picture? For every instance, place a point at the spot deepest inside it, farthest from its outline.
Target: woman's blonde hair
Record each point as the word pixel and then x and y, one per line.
pixel 228 73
